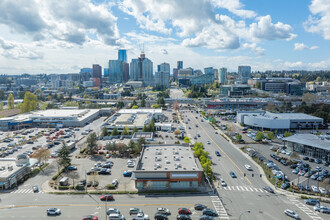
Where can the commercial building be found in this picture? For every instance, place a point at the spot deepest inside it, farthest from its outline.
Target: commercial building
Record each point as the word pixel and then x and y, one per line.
pixel 236 90
pixel 125 72
pixel 309 145
pixel 97 74
pixel 318 86
pixel 208 70
pixel 165 67
pixel 180 65
pixel 162 78
pixel 185 76
pixel 223 76
pixel 278 121
pixel 148 136
pixel 244 73
pixel 116 71
pixel 162 167
pixel 203 79
pixel 132 118
pixel 50 118
pixel 237 104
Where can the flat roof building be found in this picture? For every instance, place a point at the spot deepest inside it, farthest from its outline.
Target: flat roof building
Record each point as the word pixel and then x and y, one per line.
pixel 310 145
pixel 168 167
pixel 278 121
pixel 237 104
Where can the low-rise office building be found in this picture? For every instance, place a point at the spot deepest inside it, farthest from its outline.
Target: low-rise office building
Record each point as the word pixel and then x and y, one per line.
pixel 162 167
pixel 309 145
pixel 278 121
pixel 237 104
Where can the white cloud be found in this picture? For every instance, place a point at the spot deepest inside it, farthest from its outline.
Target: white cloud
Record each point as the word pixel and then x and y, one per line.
pixel 259 51
pixel 16 50
pixel 299 65
pixel 267 30
pixel 235 7
pixel 320 21
pixel 68 21
pixel 302 46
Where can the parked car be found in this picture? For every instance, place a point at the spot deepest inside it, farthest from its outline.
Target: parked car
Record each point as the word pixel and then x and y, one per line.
pixel 127 173
pixel 141 216
pixel 90 217
pixel 322 209
pixel 200 207
pixel 107 197
pixel 53 211
pixel 183 217
pixel 134 211
pixel 72 168
pixel 163 211
pixel 205 217
pixel 116 217
pixel 113 211
pixel 104 171
pixel 285 185
pixel 115 182
pixel 160 216
pixel 291 213
pixel 315 189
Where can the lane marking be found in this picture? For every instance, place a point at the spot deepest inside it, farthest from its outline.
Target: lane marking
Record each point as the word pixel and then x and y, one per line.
pixel 221 149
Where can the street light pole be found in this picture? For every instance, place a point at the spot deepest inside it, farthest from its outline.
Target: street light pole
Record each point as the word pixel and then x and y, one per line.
pixel 248 211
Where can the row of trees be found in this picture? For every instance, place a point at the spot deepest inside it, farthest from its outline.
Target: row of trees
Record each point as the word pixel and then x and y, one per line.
pixel 131 148
pixel 202 156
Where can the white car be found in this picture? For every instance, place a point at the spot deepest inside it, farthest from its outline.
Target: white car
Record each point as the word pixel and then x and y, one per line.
pixel 315 189
pixel 132 164
pixel 141 216
pixel 223 183
pixel 53 211
pixel 291 213
pixel 322 190
pixel 116 217
pixel 114 182
pixel 248 167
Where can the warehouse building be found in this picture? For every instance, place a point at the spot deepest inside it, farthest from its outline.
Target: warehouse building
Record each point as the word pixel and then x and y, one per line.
pixel 278 121
pixel 162 167
pixel 309 145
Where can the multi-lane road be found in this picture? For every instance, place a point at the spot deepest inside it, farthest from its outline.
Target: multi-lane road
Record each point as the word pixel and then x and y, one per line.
pixel 244 193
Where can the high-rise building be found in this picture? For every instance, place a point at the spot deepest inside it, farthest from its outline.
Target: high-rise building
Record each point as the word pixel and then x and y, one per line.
pixel 85 74
pixel 244 73
pixel 165 67
pixel 115 71
pixel 180 65
pixel 141 69
pixel 175 74
pixel 125 72
pixel 162 78
pixel 223 76
pixel 122 55
pixel 97 74
pixel 216 74
pixel 208 70
pixel 105 72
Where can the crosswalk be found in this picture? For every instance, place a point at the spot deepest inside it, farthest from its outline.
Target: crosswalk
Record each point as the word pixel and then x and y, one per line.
pixel 313 215
pixel 25 191
pixel 242 189
pixel 218 206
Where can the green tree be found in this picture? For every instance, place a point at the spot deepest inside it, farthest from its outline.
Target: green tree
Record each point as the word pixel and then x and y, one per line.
pixel 140 142
pixel 30 102
pixel 125 131
pixel 10 101
pixel 214 121
pixel 131 145
pixel 203 113
pixel 239 137
pixel 64 159
pixel 259 136
pixel 143 102
pixel 161 102
pixel 1 105
pixel 186 140
pixel 270 135
pixel 287 134
pixel 105 132
pixel 2 95
pixel 120 104
pixel 135 107
pixel 319 133
pixel 114 131
pixel 134 103
pixel 155 106
pixel 145 128
pixel 92 143
pixel 135 129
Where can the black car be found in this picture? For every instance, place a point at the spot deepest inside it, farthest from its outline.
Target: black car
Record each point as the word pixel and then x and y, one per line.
pixel 311 160
pixel 104 171
pixel 293 166
pixel 268 189
pixel 217 153
pixel 285 185
pixel 210 212
pixel 183 217
pixel 200 207
pixel 318 161
pixel 159 216
pixel 306 158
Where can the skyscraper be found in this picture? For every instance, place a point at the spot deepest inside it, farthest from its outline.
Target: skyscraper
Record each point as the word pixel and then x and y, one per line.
pixel 244 73
pixel 122 55
pixel 223 76
pixel 180 65
pixel 162 78
pixel 125 72
pixel 115 71
pixel 141 69
pixel 208 70
pixel 105 72
pixel 165 67
pixel 97 74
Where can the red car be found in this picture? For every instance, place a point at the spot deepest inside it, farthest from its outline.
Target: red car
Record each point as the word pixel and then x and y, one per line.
pixel 244 132
pixel 107 197
pixel 184 211
pixel 90 217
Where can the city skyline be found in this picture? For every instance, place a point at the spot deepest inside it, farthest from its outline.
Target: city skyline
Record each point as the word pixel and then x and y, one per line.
pixel 266 35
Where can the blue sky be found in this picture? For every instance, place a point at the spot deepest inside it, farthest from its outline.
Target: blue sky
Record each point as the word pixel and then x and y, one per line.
pixel 39 36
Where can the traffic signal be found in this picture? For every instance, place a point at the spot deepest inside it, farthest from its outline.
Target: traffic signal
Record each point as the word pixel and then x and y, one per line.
pixel 252 175
pixel 244 174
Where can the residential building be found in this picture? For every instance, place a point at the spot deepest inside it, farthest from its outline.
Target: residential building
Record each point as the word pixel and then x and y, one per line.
pixel 141 69
pixel 208 70
pixel 185 75
pixel 122 56
pixel 216 74
pixel 125 72
pixel 223 76
pixel 175 74
pixel 162 78
pixel 180 65
pixel 97 74
pixel 244 73
pixel 165 67
pixel 164 167
pixel 115 71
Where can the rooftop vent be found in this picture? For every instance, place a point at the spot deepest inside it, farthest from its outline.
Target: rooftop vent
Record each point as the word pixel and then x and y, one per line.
pixel 165 168
pixel 184 168
pixel 193 168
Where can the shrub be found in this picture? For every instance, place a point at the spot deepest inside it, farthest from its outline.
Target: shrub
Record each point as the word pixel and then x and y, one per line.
pixel 110 186
pixel 35 171
pixel 63 187
pixel 80 187
pixel 83 150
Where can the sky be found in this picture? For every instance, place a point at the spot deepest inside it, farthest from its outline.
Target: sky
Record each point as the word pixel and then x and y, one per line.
pixel 38 36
